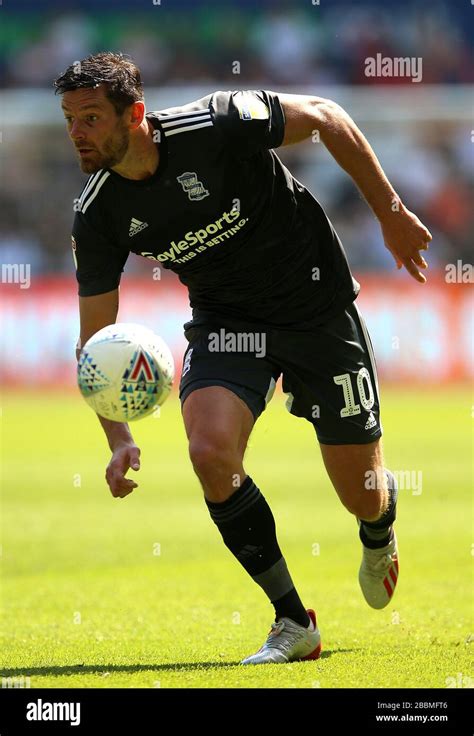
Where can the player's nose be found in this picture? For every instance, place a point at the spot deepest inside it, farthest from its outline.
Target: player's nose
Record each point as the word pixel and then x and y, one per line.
pixel 76 132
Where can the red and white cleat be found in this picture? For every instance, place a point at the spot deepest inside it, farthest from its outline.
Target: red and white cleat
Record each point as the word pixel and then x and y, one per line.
pixel 378 573
pixel 289 642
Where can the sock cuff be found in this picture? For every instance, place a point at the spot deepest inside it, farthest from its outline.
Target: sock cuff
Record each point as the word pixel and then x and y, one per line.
pixel 244 497
pixel 375 543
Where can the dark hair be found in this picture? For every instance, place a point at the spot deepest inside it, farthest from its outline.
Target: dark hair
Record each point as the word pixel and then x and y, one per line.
pixel 119 74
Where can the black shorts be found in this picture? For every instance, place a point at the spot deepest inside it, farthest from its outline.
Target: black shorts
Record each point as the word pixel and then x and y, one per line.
pixel 328 373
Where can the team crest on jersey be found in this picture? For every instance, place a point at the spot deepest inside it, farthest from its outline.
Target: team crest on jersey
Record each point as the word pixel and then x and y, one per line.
pixel 193 188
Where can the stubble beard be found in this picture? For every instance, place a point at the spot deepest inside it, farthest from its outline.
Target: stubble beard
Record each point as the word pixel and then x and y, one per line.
pixel 113 152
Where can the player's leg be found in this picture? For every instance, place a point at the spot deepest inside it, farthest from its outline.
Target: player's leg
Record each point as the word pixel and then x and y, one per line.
pixel 218 424
pixel 222 395
pixel 356 472
pixel 336 389
pixel 369 491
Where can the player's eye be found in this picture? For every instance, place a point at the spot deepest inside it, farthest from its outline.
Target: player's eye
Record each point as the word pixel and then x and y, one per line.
pixel 91 118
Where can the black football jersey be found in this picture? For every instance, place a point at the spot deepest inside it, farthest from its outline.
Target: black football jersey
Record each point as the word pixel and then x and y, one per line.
pixel 221 211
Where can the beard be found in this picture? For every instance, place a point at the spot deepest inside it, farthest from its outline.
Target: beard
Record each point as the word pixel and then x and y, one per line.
pixel 113 151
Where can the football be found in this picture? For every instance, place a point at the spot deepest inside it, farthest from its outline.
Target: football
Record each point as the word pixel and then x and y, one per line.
pixel 124 371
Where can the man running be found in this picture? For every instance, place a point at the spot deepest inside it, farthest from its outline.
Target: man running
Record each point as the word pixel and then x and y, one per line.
pixel 199 189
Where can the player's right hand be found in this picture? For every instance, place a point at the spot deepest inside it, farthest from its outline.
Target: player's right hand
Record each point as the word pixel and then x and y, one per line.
pixel 405 236
pixel 123 458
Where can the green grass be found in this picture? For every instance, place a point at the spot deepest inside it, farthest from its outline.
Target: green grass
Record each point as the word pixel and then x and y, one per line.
pixel 87 602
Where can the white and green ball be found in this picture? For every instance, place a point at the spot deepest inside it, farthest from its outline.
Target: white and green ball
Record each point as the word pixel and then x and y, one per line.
pixel 124 371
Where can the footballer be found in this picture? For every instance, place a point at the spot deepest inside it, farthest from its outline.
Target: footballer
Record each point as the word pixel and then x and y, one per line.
pixel 199 189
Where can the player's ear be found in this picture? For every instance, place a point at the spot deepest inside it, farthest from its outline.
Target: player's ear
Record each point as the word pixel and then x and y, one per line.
pixel 137 113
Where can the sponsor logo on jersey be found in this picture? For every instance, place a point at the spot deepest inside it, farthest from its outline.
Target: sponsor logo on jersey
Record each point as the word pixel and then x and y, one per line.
pixel 202 239
pixel 251 107
pixel 136 226
pixel 193 188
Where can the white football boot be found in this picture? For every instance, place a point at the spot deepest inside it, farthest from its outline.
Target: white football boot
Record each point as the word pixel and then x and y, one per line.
pixel 378 573
pixel 288 642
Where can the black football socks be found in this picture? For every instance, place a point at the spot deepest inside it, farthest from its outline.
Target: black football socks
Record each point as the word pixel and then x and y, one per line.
pixel 377 534
pixel 247 526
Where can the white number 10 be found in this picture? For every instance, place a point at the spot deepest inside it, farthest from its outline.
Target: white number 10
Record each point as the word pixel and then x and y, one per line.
pixel 367 401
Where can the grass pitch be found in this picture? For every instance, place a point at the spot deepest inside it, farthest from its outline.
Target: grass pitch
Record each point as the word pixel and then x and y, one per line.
pixel 141 592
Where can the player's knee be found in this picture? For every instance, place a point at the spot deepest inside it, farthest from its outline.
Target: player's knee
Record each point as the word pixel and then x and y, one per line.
pixel 211 457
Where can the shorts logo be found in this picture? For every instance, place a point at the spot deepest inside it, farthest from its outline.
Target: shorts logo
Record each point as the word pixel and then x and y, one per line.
pixel 371 421
pixel 187 362
pixel 193 188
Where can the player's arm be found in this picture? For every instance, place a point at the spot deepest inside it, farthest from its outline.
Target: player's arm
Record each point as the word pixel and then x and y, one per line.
pixel 404 234
pixel 96 312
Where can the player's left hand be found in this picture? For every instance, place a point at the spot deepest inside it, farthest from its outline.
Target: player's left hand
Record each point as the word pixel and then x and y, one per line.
pixel 405 236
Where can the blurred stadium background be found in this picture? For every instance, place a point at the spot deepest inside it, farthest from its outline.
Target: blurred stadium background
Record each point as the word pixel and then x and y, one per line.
pixel 420 131
pixel 72 556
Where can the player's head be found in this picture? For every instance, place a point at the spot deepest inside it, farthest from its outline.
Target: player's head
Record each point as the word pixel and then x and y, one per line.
pixel 103 104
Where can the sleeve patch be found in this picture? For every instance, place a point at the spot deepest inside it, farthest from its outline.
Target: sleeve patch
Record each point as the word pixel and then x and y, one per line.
pixel 251 107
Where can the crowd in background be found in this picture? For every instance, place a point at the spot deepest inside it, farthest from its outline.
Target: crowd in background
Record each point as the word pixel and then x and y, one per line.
pixel 273 47
pixel 288 43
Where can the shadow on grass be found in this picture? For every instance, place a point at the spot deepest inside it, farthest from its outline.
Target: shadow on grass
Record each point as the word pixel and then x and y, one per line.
pixel 87 669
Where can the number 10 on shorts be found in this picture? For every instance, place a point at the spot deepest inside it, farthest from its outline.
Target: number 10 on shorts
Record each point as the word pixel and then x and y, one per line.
pixel 366 395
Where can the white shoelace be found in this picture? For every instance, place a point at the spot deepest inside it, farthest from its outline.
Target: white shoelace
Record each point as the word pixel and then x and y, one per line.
pixel 285 642
pixel 376 563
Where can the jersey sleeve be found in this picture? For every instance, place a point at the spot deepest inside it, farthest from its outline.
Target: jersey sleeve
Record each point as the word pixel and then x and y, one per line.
pixel 99 262
pixel 248 120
